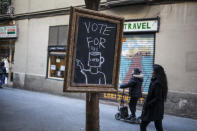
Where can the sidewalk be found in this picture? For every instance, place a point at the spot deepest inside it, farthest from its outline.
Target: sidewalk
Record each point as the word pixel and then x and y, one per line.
pixel 23 110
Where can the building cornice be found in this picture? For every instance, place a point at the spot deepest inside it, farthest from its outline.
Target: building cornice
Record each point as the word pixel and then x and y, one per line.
pixel 66 10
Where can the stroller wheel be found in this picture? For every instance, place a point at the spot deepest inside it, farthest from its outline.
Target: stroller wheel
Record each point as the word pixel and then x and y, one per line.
pixel 117 116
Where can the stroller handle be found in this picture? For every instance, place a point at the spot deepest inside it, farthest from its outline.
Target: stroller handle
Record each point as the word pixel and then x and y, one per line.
pixel 122 98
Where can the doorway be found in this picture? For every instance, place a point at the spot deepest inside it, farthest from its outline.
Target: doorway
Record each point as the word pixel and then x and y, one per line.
pixel 7 56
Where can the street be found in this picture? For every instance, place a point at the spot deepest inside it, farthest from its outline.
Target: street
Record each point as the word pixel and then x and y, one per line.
pixel 22 110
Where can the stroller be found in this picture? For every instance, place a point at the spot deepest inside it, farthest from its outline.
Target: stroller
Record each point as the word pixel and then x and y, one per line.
pixel 123 113
pixel 123 109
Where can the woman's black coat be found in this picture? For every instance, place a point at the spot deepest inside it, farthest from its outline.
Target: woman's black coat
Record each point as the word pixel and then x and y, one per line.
pixel 153 108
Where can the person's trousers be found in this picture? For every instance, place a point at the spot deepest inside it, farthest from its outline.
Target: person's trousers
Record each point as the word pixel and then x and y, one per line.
pixel 158 125
pixel 132 105
pixel 2 79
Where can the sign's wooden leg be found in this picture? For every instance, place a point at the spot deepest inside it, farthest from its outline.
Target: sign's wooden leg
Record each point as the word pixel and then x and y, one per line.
pixel 92 112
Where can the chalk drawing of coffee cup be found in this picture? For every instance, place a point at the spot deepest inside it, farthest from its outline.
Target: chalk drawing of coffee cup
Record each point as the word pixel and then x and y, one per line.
pixel 95 59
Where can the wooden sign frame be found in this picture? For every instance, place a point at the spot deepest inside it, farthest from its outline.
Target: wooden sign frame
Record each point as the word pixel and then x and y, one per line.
pixel 69 86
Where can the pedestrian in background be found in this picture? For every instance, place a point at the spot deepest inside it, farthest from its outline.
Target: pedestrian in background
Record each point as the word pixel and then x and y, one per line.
pixel 153 109
pixel 135 91
pixel 6 65
pixel 2 74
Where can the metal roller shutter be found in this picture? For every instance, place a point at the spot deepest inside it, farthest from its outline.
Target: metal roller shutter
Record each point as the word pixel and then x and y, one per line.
pixel 137 52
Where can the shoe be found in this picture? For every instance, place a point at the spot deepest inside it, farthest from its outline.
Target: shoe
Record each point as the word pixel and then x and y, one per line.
pixel 132 117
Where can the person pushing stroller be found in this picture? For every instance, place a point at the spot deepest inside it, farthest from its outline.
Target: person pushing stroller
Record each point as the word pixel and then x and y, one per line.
pixel 135 92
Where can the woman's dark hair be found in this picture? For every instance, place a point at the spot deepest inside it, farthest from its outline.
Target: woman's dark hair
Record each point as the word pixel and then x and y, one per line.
pixel 160 74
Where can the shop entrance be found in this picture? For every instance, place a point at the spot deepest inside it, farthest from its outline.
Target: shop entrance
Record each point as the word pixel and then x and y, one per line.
pixel 7 56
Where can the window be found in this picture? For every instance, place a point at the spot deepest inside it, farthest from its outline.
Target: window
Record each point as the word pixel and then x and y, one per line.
pixel 4 6
pixel 57 51
pixel 58 35
pixel 56 65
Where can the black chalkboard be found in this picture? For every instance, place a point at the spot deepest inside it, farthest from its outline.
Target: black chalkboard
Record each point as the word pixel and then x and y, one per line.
pixel 93 52
pixel 95 46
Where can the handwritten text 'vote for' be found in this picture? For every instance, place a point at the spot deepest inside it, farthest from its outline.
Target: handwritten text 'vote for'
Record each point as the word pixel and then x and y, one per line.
pixel 96 43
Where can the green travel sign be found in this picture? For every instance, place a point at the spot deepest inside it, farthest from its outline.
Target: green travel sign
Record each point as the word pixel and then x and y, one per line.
pixel 138 26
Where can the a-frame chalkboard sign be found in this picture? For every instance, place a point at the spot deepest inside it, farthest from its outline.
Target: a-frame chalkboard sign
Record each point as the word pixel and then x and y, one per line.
pixel 93 52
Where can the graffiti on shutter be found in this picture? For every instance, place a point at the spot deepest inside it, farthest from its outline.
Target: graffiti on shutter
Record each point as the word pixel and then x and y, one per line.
pixel 137 52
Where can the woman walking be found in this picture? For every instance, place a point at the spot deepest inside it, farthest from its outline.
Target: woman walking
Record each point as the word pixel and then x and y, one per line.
pixel 153 109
